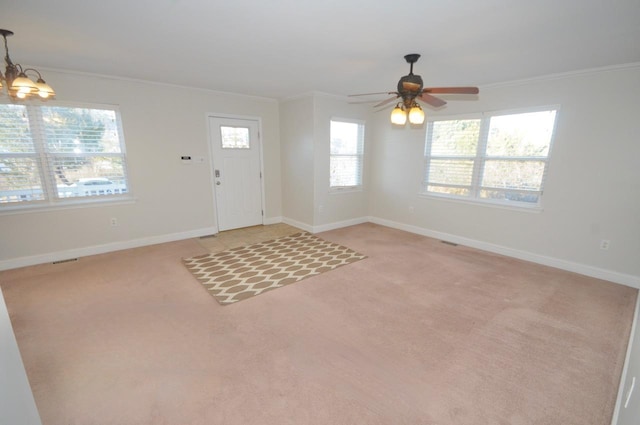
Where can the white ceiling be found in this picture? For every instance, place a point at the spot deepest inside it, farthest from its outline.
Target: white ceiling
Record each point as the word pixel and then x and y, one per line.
pixel 282 48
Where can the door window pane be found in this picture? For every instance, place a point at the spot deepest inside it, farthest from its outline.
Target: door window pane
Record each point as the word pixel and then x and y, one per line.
pixel 235 137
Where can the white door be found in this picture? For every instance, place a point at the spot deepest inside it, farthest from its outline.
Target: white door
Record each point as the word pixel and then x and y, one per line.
pixel 236 171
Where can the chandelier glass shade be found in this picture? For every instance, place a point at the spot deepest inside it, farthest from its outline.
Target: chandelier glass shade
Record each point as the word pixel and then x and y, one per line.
pixel 16 79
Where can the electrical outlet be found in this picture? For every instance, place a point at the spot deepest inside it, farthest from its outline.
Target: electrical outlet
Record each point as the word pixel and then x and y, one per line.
pixel 114 222
pixel 604 244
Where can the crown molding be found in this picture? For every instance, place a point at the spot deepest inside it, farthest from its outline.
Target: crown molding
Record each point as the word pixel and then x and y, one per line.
pixel 157 83
pixel 563 75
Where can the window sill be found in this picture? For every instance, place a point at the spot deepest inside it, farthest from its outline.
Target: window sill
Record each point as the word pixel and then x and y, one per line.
pixel 536 209
pixel 344 190
pixel 66 205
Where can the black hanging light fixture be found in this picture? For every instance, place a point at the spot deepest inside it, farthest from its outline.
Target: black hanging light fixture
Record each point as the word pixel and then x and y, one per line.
pixel 18 83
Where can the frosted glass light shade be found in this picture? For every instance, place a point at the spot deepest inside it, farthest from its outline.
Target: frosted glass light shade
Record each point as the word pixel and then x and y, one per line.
pixel 398 116
pixel 416 115
pixel 22 84
pixel 44 89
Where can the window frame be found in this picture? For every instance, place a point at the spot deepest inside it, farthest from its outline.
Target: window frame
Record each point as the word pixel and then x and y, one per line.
pixel 360 155
pixel 481 157
pixel 44 160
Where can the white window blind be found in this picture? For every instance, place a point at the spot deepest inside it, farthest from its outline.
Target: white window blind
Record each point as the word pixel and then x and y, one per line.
pixel 499 158
pixel 346 154
pixel 19 162
pixel 52 154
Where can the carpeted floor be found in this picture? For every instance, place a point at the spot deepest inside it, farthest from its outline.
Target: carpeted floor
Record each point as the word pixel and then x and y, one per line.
pixel 420 332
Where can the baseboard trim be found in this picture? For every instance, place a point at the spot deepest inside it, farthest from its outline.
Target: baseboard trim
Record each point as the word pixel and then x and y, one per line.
pixel 612 276
pixel 271 220
pixel 324 227
pixel 298 224
pixel 101 249
pixel 340 224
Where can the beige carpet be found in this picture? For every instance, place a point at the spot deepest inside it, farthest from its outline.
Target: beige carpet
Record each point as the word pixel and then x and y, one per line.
pixel 419 333
pixel 240 273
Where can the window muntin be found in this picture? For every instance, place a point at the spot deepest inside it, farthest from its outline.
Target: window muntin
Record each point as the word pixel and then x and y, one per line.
pixel 346 153
pixel 499 157
pixel 49 153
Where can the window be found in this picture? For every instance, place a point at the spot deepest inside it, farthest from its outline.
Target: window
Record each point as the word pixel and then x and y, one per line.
pixel 235 137
pixel 500 158
pixel 346 154
pixel 56 155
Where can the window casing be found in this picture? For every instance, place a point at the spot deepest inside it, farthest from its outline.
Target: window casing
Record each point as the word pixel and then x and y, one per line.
pixel 500 158
pixel 346 154
pixel 53 155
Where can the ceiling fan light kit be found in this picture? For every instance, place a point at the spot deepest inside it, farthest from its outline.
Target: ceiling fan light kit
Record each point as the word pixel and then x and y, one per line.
pixel 399 114
pixel 410 88
pixel 19 85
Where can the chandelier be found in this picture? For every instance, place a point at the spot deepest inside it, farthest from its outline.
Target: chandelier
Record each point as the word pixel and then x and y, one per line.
pixel 18 83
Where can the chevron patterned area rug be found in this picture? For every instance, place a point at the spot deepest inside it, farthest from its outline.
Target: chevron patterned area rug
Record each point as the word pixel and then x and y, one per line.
pixel 240 273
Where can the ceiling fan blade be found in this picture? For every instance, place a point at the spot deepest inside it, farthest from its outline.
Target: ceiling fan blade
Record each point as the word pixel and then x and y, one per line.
pixel 452 90
pixel 384 102
pixel 361 102
pixel 370 94
pixel 432 100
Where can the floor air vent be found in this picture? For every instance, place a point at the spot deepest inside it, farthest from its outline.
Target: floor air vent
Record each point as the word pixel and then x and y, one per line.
pixel 449 243
pixel 65 261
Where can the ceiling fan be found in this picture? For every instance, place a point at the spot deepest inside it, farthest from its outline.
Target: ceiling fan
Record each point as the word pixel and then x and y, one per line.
pixel 410 88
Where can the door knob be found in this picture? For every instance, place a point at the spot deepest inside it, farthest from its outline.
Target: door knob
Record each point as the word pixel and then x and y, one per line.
pixel 218 183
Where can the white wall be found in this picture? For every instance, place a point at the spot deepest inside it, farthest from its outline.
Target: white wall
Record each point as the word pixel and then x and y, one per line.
pixel 337 207
pixel 305 128
pixel 593 185
pixel 296 128
pixel 591 192
pixel 173 200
